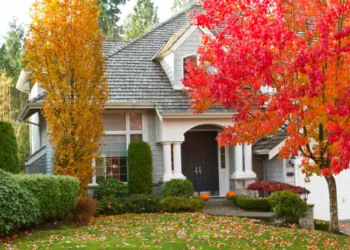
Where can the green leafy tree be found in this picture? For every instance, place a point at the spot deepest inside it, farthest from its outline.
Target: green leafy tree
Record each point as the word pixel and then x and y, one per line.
pixel 143 18
pixel 11 61
pixel 109 17
pixel 180 5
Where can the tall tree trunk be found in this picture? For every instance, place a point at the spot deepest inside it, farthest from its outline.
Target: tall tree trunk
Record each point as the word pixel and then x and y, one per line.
pixel 333 205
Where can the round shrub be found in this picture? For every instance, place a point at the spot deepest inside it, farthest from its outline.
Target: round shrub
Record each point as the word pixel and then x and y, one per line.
pixel 288 206
pixel 111 205
pixel 178 188
pixel 18 207
pixel 251 203
pixel 111 187
pixel 172 204
pixel 8 149
pixel 140 164
pixel 141 203
pixel 46 189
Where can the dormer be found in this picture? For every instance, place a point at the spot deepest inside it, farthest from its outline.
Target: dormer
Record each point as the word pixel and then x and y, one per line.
pixel 175 52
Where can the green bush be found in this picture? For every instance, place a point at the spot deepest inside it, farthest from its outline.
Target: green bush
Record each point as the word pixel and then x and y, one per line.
pixel 69 191
pixel 288 206
pixel 178 188
pixel 111 205
pixel 56 194
pixel 18 207
pixel 8 149
pixel 321 225
pixel 172 204
pixel 142 203
pixel 250 203
pixel 111 187
pixel 140 168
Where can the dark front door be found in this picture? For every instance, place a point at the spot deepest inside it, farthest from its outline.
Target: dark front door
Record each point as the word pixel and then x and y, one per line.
pixel 200 149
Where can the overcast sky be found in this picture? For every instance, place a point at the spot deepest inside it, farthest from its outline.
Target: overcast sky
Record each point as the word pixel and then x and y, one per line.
pixel 20 10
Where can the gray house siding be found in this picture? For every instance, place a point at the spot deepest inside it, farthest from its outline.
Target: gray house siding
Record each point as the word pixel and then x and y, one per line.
pixel 274 170
pixel 157 149
pixel 189 47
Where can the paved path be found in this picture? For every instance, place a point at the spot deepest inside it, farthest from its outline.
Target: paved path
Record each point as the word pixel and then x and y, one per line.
pixel 345 226
pixel 228 209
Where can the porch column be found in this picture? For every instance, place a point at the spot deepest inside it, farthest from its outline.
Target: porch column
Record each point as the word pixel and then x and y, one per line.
pixel 168 175
pixel 177 161
pixel 248 161
pixel 238 162
pixel 94 174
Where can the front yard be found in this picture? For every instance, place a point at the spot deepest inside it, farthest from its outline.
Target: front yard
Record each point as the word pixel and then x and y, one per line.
pixel 177 231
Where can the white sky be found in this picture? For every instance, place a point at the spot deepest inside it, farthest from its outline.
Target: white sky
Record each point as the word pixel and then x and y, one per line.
pixel 20 10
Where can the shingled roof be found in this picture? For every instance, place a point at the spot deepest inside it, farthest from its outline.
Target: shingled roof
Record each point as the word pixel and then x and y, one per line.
pixel 135 78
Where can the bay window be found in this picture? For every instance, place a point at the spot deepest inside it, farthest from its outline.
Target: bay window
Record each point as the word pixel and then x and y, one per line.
pixel 120 129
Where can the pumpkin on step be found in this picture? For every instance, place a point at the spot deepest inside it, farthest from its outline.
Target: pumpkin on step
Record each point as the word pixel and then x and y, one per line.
pixel 230 194
pixel 205 197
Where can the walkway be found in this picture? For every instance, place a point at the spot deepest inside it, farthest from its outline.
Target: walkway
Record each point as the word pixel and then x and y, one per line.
pixel 224 207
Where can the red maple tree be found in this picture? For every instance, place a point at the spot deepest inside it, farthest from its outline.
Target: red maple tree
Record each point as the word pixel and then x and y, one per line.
pixel 281 65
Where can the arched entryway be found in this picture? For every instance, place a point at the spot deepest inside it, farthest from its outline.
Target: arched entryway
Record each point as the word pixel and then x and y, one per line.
pixel 204 162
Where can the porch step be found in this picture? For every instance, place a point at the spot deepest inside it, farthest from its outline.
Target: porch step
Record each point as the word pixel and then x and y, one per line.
pixel 218 202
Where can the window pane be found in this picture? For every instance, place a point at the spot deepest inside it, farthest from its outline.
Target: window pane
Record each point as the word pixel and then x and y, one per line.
pixel 114 122
pixel 135 121
pixel 190 59
pixel 137 137
pixel 222 157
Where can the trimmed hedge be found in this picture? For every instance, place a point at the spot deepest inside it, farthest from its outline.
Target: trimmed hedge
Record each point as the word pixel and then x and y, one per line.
pixel 321 225
pixel 288 206
pixel 8 149
pixel 174 204
pixel 56 194
pixel 140 164
pixel 69 191
pixel 250 203
pixel 141 203
pixel 178 188
pixel 18 207
pixel 111 187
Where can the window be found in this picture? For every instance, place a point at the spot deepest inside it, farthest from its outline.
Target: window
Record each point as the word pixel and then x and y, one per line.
pixel 223 157
pixel 120 129
pixel 186 60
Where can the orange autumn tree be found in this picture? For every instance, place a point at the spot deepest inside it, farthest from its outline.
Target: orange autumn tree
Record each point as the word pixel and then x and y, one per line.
pixel 300 49
pixel 64 53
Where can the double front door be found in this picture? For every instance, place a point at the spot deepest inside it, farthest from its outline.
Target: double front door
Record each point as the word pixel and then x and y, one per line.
pixel 200 160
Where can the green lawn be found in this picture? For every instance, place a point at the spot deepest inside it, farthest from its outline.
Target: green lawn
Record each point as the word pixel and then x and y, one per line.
pixel 178 231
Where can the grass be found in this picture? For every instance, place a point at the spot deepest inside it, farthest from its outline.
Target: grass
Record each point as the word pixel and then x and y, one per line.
pixel 177 231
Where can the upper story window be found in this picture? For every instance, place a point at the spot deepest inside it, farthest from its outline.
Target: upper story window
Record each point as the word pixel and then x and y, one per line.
pixel 186 60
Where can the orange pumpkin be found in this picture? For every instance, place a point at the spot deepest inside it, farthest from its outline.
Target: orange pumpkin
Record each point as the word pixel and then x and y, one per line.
pixel 230 194
pixel 205 197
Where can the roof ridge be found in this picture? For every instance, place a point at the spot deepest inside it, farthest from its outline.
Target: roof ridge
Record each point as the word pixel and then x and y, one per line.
pixel 155 28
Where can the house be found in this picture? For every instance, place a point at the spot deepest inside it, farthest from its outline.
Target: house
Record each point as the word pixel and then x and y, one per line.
pixel 148 102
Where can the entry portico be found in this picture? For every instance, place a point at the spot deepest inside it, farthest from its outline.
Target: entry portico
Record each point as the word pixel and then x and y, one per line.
pixel 190 146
